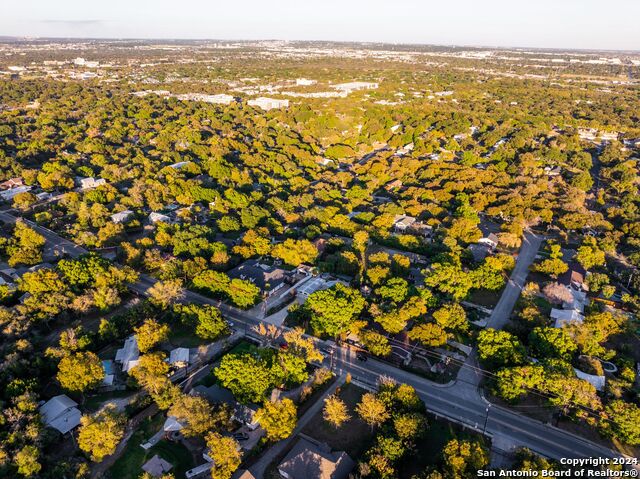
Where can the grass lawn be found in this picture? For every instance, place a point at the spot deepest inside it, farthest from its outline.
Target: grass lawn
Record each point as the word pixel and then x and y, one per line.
pixel 484 297
pixel 92 403
pixel 354 436
pixel 129 466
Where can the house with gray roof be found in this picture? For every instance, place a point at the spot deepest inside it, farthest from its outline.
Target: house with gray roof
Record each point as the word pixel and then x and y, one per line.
pixel 310 460
pixel 61 413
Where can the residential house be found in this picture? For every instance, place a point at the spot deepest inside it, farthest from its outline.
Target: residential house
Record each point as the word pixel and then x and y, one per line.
pixel 158 218
pixel 179 357
pixel 128 356
pixel 573 278
pixel 89 183
pixel 403 222
pixel 491 241
pixel 409 224
pixel 305 82
pixel 8 195
pixel 11 183
pixel 122 216
pixel 179 165
pixel 269 279
pixel 268 103
pixel 309 460
pixel 156 466
pixel 60 413
pixel 566 316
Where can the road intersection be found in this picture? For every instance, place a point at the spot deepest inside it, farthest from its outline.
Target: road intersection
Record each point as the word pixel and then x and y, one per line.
pixel 459 401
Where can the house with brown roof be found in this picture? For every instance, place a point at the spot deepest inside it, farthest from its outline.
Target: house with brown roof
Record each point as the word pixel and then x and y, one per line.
pixel 310 460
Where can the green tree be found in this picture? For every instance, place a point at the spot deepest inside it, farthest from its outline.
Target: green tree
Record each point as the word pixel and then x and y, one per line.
pixel 248 378
pixel 99 435
pixel 463 457
pixel 278 419
pixel 376 343
pixel 429 334
pixel 451 317
pixel 27 461
pixel 334 310
pixel 80 371
pixel 209 323
pixel 335 411
pixel 25 247
pixel 552 342
pixel 500 348
pixel 150 333
pixel 372 410
pixel 395 290
pixel 295 252
pixel 622 423
pixel 226 454
pixel 589 255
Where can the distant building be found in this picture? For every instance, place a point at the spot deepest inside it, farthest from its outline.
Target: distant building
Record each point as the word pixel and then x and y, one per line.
pixel 179 165
pixel 269 279
pixel 308 460
pixel 9 194
pixel 268 103
pixel 409 224
pixel 128 356
pixel 121 217
pixel 220 99
pixel 89 183
pixel 158 218
pixel 355 86
pixel 305 82
pixel 11 183
pixel 60 413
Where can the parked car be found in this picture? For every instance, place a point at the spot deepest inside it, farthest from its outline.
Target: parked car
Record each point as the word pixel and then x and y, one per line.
pixel 241 436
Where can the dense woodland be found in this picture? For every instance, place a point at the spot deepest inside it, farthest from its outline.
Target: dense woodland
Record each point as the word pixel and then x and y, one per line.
pixel 460 144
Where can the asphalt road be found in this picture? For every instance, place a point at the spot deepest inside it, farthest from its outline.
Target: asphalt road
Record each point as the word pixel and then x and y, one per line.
pixel 459 401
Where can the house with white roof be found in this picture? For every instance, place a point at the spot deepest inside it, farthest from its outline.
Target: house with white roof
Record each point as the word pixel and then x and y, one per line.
pixel 128 356
pixel 60 413
pixel 158 218
pixel 9 194
pixel 268 103
pixel 121 217
pixel 179 357
pixel 566 316
pixel 89 183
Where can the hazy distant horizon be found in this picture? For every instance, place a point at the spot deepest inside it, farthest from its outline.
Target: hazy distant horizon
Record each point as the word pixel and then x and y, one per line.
pixel 339 42
pixel 545 24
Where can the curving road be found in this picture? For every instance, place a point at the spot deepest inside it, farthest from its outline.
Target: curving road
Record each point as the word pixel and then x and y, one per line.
pixel 460 401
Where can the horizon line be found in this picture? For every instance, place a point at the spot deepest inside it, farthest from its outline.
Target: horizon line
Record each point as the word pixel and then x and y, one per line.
pixel 366 42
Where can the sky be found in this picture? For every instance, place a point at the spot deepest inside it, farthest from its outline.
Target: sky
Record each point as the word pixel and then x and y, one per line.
pixel 583 24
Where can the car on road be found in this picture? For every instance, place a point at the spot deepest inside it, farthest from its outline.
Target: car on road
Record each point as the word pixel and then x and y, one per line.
pixel 241 436
pixel 360 356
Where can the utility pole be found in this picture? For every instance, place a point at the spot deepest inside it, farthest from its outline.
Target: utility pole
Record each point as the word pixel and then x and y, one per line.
pixel 486 419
